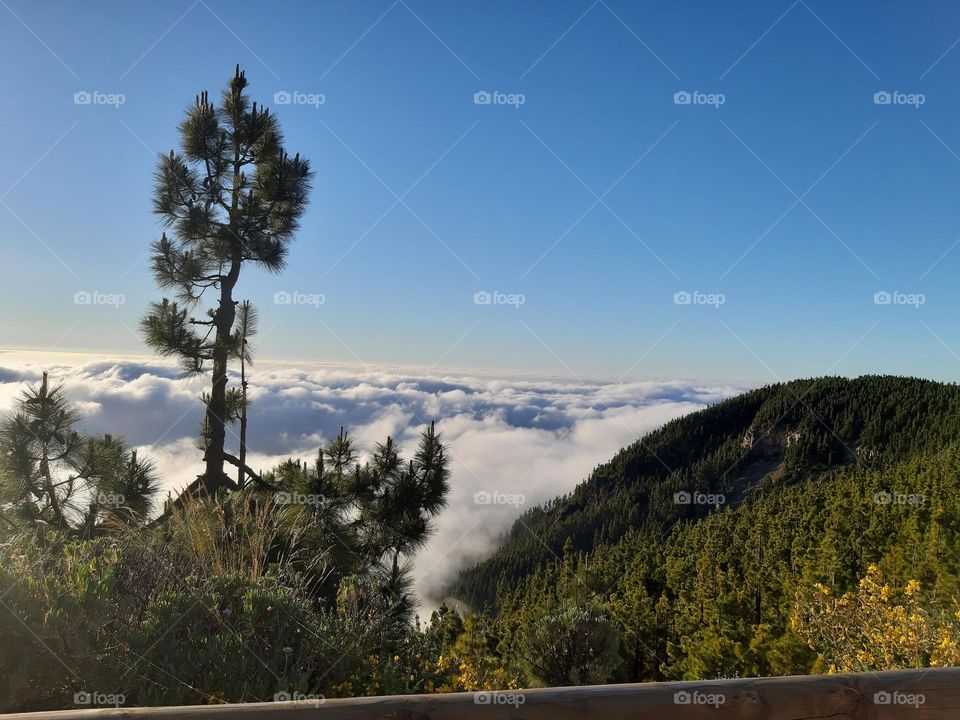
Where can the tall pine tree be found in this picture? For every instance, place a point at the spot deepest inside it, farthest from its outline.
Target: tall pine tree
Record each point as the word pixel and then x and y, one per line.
pixel 231 195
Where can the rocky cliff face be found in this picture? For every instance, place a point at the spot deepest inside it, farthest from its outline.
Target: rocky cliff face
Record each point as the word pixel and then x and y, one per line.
pixel 769 443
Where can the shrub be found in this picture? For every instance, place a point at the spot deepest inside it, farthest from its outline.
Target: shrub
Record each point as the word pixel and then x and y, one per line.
pixel 578 645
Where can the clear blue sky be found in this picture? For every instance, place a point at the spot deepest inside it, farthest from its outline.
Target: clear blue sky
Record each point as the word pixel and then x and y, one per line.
pixel 505 198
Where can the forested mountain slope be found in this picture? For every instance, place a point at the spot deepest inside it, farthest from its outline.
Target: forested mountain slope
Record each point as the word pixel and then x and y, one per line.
pixel 759 442
pixel 826 536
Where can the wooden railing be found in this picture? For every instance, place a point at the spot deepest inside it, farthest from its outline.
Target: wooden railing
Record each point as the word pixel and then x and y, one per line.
pixel 903 695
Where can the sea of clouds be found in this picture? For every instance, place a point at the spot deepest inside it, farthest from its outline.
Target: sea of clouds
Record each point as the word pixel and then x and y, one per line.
pixel 514 440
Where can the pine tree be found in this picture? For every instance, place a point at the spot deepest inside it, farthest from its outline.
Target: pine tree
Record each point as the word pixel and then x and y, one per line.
pixel 51 474
pixel 231 195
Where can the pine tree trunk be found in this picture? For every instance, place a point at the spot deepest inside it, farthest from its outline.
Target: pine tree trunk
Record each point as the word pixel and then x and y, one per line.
pixel 242 471
pixel 214 476
pixel 45 468
pixel 51 490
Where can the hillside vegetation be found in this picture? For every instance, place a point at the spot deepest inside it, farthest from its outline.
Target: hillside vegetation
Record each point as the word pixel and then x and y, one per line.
pixel 798 493
pixel 807 527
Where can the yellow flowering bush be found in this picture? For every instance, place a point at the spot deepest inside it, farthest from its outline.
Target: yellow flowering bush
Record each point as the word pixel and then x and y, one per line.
pixel 876 627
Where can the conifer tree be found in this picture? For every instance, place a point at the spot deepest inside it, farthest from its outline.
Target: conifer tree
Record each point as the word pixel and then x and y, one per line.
pixel 51 474
pixel 230 196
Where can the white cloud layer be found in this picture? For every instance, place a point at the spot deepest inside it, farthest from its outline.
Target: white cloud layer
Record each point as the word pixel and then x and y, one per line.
pixel 515 436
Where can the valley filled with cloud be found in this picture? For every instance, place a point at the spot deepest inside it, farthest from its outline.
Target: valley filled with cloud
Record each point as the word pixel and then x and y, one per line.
pixel 515 440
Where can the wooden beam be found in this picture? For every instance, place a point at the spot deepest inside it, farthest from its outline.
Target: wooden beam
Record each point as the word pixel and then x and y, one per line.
pixel 932 694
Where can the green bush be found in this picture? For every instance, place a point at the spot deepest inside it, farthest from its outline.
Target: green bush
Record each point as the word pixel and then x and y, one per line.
pixel 578 645
pixel 228 639
pixel 58 616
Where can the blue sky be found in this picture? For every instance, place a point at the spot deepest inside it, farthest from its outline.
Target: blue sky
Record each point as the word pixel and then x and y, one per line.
pixel 597 199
